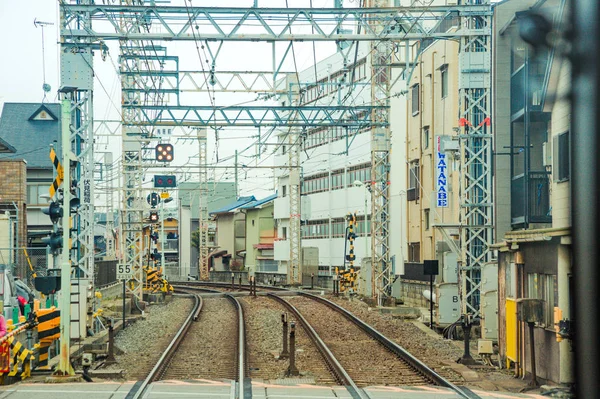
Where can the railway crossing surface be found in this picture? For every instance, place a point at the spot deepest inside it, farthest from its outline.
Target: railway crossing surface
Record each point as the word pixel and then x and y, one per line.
pixel 223 389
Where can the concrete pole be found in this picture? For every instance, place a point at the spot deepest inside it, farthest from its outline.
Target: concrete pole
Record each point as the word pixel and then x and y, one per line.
pixel 162 235
pixel 64 366
pixel 365 226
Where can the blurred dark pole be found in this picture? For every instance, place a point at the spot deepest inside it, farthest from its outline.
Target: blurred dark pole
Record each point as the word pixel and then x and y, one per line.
pixel 584 192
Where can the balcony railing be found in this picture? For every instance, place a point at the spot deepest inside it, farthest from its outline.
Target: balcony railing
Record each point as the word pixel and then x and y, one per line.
pixel 539 197
pixel 530 198
pixel 171 244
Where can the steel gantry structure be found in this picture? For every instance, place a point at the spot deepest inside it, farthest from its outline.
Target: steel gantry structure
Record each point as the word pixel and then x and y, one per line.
pixel 392 30
pixel 476 141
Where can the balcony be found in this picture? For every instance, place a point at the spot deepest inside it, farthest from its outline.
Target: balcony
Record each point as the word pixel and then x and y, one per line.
pixel 530 199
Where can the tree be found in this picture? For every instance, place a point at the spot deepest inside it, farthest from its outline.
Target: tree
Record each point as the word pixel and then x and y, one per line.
pixel 195 239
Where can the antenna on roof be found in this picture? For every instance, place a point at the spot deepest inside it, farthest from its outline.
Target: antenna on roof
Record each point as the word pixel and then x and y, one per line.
pixel 46 87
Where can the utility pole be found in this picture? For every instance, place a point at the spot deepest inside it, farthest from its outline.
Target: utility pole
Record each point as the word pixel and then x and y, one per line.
pixel 64 366
pixel 203 272
pixel 237 192
pixel 162 235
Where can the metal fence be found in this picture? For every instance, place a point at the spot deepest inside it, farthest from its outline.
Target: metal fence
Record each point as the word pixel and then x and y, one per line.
pixel 25 261
pixel 105 272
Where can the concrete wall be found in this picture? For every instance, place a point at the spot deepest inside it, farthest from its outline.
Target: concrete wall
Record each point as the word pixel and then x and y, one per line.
pixel 13 192
pixel 561 122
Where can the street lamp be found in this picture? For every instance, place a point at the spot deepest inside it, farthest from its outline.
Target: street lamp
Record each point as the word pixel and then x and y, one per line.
pixel 358 183
pixel 162 232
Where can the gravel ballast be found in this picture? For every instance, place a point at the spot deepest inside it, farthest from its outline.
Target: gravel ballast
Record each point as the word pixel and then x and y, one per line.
pixel 144 341
pixel 264 337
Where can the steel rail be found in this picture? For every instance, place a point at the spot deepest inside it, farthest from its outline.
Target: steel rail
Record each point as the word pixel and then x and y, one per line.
pixel 241 348
pixel 393 347
pixel 245 287
pixel 334 365
pixel 158 371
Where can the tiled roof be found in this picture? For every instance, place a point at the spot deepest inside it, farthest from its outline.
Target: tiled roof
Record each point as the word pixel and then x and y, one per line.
pixel 31 138
pixel 234 205
pixel 5 147
pixel 257 203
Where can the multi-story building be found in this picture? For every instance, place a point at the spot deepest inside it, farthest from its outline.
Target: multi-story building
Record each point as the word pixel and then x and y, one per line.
pixel 30 129
pixel 230 244
pixel 219 194
pixel 336 167
pixel 260 235
pixel 532 173
pixel 433 175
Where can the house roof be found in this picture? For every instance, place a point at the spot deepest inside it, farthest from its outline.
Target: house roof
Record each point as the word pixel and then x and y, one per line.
pixel 30 128
pixel 234 205
pixel 259 203
pixel 5 147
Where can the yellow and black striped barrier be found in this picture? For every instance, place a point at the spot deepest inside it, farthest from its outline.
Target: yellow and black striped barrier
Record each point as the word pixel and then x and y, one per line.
pixel 19 364
pixel 59 173
pixel 48 331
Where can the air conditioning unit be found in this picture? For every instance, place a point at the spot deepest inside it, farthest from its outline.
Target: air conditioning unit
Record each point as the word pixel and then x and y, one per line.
pixel 546 154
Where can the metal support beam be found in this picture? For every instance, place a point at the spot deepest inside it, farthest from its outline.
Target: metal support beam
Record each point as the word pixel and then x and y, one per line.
pixel 476 199
pixel 263 24
pixel 250 116
pixel 381 265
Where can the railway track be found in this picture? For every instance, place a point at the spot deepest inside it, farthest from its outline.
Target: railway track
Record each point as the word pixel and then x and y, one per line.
pixel 356 353
pixel 265 342
pixel 181 359
pixel 227 286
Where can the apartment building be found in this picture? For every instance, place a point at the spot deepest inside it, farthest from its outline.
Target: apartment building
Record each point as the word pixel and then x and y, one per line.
pixel 532 125
pixel 336 168
pixel 433 160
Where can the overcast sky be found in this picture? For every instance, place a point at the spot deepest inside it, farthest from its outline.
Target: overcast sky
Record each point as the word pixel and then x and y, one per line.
pixel 22 75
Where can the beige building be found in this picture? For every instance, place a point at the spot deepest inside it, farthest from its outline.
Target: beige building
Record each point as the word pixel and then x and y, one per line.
pixel 532 120
pixel 433 204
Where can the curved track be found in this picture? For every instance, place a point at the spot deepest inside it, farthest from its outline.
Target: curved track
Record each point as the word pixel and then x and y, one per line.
pixel 168 366
pixel 357 353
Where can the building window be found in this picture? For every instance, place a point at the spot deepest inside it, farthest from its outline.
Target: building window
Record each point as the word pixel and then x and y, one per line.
pixel 283 149
pixel 34 191
pixel 414 252
pixel 338 227
pixel 425 137
pixel 561 157
pixel 426 217
pixel 363 229
pixel 315 183
pixel 544 287
pixel 284 233
pixel 444 73
pixel 359 172
pixel 315 229
pixel 283 191
pixel 413 181
pixel 337 179
pixel 415 99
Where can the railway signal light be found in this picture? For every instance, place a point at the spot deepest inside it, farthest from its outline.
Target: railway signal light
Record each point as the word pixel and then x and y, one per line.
pixel 164 153
pixel 54 210
pixel 153 199
pixel 153 217
pixel 54 241
pixel 165 181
